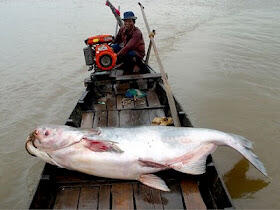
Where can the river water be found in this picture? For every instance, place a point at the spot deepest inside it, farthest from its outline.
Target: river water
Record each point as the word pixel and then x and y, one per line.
pixel 222 59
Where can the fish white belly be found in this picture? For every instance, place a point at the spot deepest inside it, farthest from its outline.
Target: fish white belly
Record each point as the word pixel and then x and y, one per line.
pixel 105 164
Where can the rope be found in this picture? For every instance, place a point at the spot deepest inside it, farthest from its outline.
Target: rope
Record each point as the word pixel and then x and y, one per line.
pixel 152 34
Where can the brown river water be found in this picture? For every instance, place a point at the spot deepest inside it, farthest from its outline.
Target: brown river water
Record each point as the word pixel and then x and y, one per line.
pixel 222 59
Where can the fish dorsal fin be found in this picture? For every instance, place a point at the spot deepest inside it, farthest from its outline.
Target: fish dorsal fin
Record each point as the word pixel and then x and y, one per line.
pixel 194 162
pixel 153 181
pixel 101 145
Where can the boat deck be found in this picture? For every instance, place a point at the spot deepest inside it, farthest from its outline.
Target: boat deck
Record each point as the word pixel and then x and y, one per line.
pixel 117 111
pixel 113 110
pixel 81 191
pixel 64 189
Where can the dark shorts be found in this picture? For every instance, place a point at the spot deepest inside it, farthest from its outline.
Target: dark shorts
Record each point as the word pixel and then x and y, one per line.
pixel 129 59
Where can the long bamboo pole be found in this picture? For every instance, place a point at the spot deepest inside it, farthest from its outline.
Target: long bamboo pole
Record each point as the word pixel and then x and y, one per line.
pixel 117 24
pixel 170 97
pixel 149 50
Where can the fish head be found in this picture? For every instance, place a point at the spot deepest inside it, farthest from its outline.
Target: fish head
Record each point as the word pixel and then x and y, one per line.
pixel 34 148
pixel 50 138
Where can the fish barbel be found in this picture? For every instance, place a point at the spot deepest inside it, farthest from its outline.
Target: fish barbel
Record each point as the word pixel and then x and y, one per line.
pixel 134 153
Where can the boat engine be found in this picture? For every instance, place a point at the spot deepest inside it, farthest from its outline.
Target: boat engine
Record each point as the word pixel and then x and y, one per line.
pixel 99 54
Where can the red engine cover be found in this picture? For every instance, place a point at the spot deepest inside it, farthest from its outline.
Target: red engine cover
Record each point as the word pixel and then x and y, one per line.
pixel 105 57
pixel 99 39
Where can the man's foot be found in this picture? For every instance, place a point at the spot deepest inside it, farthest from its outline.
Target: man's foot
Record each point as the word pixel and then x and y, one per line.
pixel 136 69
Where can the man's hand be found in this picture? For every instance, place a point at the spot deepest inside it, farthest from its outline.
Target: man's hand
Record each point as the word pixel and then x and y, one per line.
pixel 113 39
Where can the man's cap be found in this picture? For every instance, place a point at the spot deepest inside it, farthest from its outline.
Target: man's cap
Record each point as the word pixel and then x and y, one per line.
pixel 129 15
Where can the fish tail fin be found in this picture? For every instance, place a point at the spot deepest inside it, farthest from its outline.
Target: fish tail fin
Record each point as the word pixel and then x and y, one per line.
pixel 244 146
pixel 242 140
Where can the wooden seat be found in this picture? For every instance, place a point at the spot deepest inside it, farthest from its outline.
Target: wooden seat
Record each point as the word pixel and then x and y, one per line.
pixel 138 76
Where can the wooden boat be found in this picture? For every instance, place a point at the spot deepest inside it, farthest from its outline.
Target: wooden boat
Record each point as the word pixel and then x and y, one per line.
pixel 102 105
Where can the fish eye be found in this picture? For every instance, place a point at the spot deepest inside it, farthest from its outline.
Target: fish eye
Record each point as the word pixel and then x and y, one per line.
pixel 46 133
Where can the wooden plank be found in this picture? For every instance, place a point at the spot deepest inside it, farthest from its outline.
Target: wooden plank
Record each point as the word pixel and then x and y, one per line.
pixel 113 73
pixel 119 72
pixel 100 119
pixel 111 102
pixel 107 88
pixel 124 103
pixel 191 194
pixel 141 117
pixel 87 120
pixel 140 102
pixel 99 107
pixel 134 118
pixel 143 108
pixel 113 119
pixel 67 198
pixel 82 98
pixel 45 194
pixel 119 102
pixel 87 81
pixel 104 197
pixel 122 196
pixel 172 199
pixel 142 84
pixel 155 113
pixel 64 177
pixel 147 108
pixel 121 88
pixel 143 197
pixel 102 73
pixel 128 103
pixel 116 72
pixel 152 98
pixel 88 198
pixel 126 118
pixel 138 76
pixel 156 194
pixel 100 104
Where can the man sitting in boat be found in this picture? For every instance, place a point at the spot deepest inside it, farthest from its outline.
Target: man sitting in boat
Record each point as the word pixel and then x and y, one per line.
pixel 129 44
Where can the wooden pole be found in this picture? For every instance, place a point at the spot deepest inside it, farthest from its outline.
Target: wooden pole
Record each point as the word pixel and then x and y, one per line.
pixel 117 24
pixel 118 18
pixel 149 50
pixel 170 97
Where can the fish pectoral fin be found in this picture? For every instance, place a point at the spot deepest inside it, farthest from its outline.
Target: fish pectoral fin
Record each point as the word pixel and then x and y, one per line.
pixel 194 162
pixel 52 161
pixel 153 181
pixel 101 146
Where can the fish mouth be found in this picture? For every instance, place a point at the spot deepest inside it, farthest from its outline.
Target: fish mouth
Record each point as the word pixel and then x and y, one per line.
pixel 30 142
